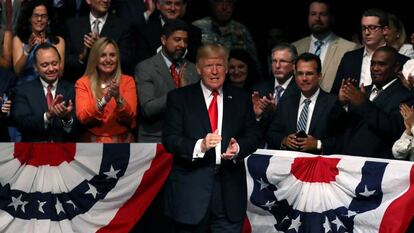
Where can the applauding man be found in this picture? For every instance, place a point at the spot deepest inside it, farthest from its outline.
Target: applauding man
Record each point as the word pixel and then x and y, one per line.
pixel 210 129
pixel 43 109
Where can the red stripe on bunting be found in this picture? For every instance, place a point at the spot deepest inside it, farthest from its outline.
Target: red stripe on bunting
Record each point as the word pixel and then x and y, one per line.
pixel 152 181
pixel 38 154
pixel 315 169
pixel 399 213
pixel 247 228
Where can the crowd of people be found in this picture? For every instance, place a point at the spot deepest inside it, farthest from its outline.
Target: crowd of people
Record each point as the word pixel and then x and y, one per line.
pixel 135 71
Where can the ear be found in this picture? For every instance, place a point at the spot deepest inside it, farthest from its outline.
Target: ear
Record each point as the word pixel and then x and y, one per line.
pixel 163 40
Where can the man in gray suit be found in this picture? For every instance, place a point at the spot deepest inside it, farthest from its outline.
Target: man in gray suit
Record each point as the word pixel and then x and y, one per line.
pixel 158 75
pixel 323 42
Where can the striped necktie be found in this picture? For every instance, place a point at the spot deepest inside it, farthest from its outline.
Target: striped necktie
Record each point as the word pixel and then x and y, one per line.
pixel 303 118
pixel 318 49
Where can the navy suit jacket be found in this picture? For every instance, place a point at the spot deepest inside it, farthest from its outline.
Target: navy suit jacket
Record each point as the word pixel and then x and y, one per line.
pixel 189 186
pixel 132 10
pixel 326 124
pixel 149 40
pixel 114 28
pixel 350 67
pixel 375 126
pixel 30 104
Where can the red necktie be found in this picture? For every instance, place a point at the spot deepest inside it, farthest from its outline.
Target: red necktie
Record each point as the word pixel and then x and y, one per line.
pixel 49 97
pixel 174 74
pixel 213 111
pixel 9 14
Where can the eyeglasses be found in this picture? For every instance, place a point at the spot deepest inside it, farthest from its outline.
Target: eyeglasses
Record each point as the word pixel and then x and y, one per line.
pixel 37 16
pixel 281 62
pixel 370 28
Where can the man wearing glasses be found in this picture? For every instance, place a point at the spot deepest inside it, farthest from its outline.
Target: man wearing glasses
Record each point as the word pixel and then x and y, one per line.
pixel 355 64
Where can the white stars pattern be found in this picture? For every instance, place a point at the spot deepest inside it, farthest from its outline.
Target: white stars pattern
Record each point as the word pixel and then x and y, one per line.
pixel 367 193
pixel 269 205
pixel 263 184
pixel 92 190
pixel 41 204
pixel 112 173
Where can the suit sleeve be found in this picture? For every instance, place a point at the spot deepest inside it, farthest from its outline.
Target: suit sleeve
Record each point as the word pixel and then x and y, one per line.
pixel 151 106
pixel 173 136
pixel 26 119
pixel 277 128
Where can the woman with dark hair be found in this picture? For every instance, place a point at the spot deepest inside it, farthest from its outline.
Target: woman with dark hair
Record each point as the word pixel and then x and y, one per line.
pixel 34 26
pixel 242 70
pixel 106 99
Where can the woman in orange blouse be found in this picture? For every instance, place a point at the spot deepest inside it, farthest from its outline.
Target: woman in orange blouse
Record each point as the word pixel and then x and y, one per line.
pixel 106 100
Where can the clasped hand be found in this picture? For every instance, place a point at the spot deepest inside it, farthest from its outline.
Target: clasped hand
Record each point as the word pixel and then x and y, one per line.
pixel 213 139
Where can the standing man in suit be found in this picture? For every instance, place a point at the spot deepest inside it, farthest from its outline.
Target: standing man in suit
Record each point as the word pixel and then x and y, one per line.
pixel 210 130
pixel 356 63
pixel 149 35
pixel 323 42
pixel 43 109
pixel 158 75
pixel 316 113
pixel 375 120
pixel 82 33
pixel 137 12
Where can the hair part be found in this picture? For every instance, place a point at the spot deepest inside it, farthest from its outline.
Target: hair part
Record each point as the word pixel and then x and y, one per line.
pixel 93 61
pixel 308 57
pixel 212 51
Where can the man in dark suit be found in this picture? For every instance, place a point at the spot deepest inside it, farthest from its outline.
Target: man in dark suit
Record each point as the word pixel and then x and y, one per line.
pixel 322 117
pixel 149 35
pixel 137 12
pixel 82 34
pixel 375 120
pixel 155 79
pixel 211 129
pixel 268 93
pixel 355 64
pixel 43 109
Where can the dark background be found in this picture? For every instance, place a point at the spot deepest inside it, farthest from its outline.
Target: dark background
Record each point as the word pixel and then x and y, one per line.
pixel 291 16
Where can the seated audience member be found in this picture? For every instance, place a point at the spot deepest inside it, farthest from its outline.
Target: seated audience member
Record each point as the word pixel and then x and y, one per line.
pixel 242 70
pixel 106 98
pixel 396 36
pixel 159 74
pixel 310 120
pixel 43 109
pixel 149 42
pixel 220 27
pixel 35 26
pixel 324 42
pixel 403 147
pixel 82 32
pixel 375 121
pixel 355 64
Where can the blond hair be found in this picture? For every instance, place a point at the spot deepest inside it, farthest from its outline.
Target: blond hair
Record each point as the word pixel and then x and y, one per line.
pixel 92 67
pixel 212 51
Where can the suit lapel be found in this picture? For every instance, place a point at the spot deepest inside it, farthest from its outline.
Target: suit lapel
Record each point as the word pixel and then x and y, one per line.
pixel 329 54
pixel 199 107
pixel 39 96
pixel 228 109
pixel 163 71
pixel 293 112
pixel 320 106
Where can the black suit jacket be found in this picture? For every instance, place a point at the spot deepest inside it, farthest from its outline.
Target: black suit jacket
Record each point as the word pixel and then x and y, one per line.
pixel 30 104
pixel 350 67
pixel 189 186
pixel 149 40
pixel 114 28
pixel 375 126
pixel 132 10
pixel 326 124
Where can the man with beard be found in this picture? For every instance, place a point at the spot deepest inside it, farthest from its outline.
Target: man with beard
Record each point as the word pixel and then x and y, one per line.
pixel 221 28
pixel 375 122
pixel 158 75
pixel 323 42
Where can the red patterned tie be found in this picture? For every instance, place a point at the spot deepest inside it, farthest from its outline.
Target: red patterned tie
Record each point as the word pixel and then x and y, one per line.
pixel 213 111
pixel 9 14
pixel 174 74
pixel 49 96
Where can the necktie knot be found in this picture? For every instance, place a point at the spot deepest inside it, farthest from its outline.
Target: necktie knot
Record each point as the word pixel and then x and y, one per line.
pixel 214 93
pixel 174 74
pixel 307 102
pixel 318 45
pixel 95 28
pixel 278 93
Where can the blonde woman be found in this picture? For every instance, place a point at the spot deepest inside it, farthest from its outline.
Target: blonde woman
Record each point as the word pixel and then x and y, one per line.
pixel 106 100
pixel 396 36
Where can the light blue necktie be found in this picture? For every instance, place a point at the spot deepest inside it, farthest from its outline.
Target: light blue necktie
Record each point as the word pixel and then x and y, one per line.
pixel 318 45
pixel 303 118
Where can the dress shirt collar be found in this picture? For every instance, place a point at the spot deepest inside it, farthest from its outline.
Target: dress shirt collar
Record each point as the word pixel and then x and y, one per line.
pixel 101 19
pixel 207 91
pixel 325 40
pixel 385 86
pixel 312 98
pixel 284 85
